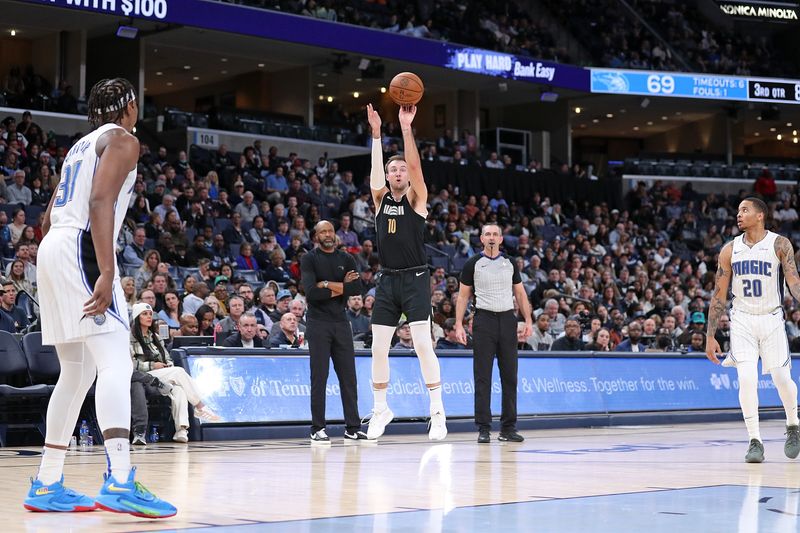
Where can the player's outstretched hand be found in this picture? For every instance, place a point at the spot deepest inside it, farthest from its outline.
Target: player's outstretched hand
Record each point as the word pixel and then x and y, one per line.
pixel 406 115
pixel 102 296
pixel 712 349
pixel 374 121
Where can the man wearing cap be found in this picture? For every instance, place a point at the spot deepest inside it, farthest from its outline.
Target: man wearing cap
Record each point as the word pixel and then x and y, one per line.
pixel 697 322
pixel 282 300
pixel 329 278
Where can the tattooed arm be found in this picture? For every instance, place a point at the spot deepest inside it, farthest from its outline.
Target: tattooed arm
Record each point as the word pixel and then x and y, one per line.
pixel 785 253
pixel 716 309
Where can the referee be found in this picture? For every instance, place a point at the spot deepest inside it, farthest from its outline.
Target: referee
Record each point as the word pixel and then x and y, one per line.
pixel 495 280
pixel 329 277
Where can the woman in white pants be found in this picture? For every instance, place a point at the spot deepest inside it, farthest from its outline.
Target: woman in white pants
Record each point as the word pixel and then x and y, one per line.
pixel 150 356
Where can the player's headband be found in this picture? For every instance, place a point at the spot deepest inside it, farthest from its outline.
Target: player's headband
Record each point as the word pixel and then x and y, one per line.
pixel 121 103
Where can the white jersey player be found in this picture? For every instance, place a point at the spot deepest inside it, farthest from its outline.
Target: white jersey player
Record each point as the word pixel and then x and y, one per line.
pixel 83 307
pixel 755 265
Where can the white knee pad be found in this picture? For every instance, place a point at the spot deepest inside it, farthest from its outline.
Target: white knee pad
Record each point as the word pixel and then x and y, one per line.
pixel 423 346
pixel 381 342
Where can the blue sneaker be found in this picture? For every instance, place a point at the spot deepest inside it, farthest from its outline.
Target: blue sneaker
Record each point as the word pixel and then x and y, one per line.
pixel 56 498
pixel 132 498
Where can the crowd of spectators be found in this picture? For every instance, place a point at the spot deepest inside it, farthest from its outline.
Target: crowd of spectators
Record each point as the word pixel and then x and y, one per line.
pixel 209 246
pixel 23 87
pixel 488 24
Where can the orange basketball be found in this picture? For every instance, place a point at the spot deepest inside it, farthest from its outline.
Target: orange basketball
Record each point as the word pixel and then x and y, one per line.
pixel 406 88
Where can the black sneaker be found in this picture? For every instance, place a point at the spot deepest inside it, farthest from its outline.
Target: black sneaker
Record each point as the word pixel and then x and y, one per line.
pixel 510 436
pixel 357 437
pixel 755 452
pixel 320 437
pixel 484 436
pixel 792 446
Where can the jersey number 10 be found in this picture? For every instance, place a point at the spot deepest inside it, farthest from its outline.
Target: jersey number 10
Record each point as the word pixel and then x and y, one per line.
pixel 751 287
pixel 66 189
pixel 392 225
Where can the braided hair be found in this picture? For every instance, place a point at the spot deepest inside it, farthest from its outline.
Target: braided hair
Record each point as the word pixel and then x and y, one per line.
pixel 108 101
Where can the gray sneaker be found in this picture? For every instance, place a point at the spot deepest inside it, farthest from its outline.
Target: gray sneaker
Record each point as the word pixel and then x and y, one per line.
pixel 755 453
pixel 792 446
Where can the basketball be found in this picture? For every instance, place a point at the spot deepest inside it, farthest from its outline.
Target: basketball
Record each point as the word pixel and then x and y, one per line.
pixel 406 88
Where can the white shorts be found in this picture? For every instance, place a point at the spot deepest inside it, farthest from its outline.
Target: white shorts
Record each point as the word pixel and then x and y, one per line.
pixel 66 271
pixel 760 335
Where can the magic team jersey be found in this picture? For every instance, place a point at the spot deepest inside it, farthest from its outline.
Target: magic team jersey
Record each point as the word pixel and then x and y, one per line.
pixel 400 231
pixel 757 284
pixel 71 206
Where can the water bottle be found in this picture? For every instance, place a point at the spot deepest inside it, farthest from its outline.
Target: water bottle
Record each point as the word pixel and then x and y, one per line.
pixel 153 434
pixel 89 441
pixel 83 438
pixel 73 442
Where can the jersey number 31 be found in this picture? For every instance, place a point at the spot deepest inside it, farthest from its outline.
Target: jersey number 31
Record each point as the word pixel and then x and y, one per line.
pixel 66 189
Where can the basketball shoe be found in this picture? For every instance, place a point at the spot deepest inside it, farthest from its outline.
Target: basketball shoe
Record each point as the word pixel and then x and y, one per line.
pixel 792 446
pixel 378 422
pixel 132 498
pixel 438 424
pixel 755 453
pixel 56 498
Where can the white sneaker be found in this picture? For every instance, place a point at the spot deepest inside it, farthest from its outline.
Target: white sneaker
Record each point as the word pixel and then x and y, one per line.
pixel 438 429
pixel 181 436
pixel 728 361
pixel 206 415
pixel 378 423
pixel 320 438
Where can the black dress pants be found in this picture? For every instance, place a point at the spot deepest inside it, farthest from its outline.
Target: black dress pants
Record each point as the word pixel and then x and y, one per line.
pixel 495 334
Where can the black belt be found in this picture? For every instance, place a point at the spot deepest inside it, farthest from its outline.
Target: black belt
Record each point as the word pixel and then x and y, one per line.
pixel 403 270
pixel 494 313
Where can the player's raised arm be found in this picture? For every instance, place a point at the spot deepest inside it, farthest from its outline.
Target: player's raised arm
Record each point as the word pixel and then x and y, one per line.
pixel 722 281
pixel 785 252
pixel 419 189
pixel 377 174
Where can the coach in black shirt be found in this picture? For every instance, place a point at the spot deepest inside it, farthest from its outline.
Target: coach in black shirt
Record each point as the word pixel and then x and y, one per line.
pixel 495 281
pixel 329 278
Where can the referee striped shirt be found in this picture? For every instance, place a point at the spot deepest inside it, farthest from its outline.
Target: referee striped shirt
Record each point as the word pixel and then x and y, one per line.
pixel 492 279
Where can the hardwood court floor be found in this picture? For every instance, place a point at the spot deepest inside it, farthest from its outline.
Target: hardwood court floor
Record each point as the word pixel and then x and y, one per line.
pixel 646 478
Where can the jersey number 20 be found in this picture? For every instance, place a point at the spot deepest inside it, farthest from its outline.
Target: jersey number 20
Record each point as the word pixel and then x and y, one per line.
pixel 66 189
pixel 751 287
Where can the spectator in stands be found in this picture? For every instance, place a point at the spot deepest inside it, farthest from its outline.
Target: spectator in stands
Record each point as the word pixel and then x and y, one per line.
pixel 193 301
pixel 541 339
pixel 633 342
pixel 696 323
pixel 723 334
pixel 786 213
pixel 189 326
pixel 40 191
pixel 133 255
pixel 235 233
pixel 557 320
pixel 276 270
pixel 258 230
pixel 366 257
pixel 247 209
pixel 698 342
pixel 230 323
pixel 129 289
pixel 247 334
pixel 449 341
pixel 23 254
pixel 18 276
pixel 167 205
pixel 571 340
pixel 149 356
pixel 601 341
pixel 267 302
pixel 172 311
pixel 282 301
pixel 298 309
pixel 361 211
pixel 404 339
pixel 359 321
pixel 18 192
pixel 287 335
pixel 494 162
pixel 206 318
pixel 246 261
pixel 8 298
pixel 765 185
pixel 347 236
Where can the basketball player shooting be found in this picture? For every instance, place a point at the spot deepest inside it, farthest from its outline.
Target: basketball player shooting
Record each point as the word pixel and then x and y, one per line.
pixel 400 195
pixel 754 265
pixel 83 309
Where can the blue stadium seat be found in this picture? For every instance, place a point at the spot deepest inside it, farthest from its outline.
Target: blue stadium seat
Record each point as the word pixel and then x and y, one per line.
pixel 43 364
pixel 21 407
pixel 251 276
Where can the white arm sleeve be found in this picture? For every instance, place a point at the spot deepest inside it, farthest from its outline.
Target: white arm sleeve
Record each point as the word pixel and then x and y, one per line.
pixel 377 177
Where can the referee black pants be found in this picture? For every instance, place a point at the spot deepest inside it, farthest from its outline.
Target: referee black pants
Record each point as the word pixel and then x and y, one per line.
pixel 495 334
pixel 326 341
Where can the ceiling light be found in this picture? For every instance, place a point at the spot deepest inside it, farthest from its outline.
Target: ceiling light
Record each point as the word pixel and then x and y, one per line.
pixel 595 120
pixel 159 73
pixel 358 79
pixel 324 74
pixel 224 59
pixel 649 122
pixel 623 110
pixel 780 136
pixel 578 110
pixel 330 99
pixel 320 85
pixel 794 140
pixel 187 67
pixel 261 65
pixel 355 94
pixel 788 124
pixel 772 129
pixel 664 117
pixel 13 33
pixel 195 78
pixel 794 132
pixel 169 84
pixel 609 115
pixel 321 98
pixel 636 128
pixel 383 90
pixel 223 71
pixel 758 117
pixel 756 134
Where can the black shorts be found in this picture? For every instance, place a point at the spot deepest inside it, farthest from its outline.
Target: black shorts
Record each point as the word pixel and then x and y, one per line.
pixel 407 292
